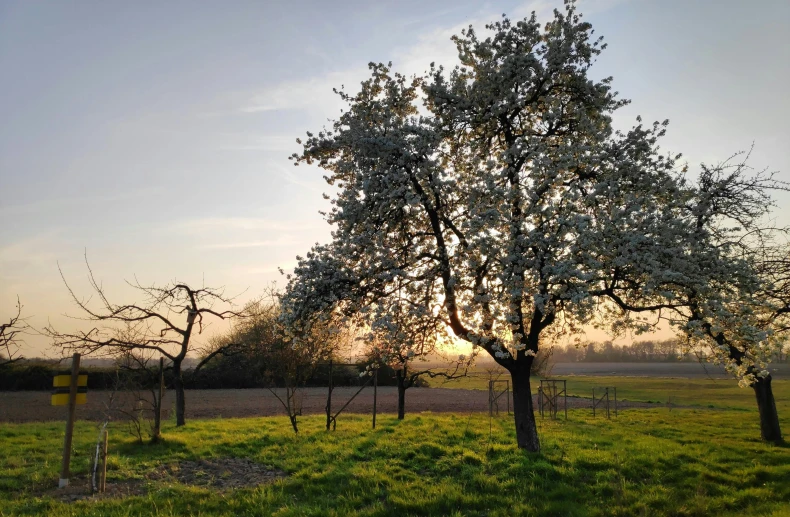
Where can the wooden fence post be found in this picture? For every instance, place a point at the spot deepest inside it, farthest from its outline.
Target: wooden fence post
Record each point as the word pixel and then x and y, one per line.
pixel 329 399
pixel 64 469
pixel 158 414
pixel 103 478
pixel 375 390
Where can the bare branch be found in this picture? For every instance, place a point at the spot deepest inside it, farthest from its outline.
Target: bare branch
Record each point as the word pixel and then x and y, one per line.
pixel 11 337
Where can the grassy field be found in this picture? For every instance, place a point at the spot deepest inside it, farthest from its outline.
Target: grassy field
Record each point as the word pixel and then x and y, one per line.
pixel 645 462
pixel 708 393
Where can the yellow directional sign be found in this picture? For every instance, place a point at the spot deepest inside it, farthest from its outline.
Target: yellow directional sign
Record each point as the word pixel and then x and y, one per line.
pixel 62 385
pixel 62 399
pixel 64 381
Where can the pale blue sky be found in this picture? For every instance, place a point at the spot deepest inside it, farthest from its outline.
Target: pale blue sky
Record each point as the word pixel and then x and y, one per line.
pixel 156 134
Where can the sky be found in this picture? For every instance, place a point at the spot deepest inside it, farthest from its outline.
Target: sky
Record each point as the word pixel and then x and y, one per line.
pixel 154 136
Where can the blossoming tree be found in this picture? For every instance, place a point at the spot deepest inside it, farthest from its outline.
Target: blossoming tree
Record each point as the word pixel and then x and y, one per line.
pixel 502 191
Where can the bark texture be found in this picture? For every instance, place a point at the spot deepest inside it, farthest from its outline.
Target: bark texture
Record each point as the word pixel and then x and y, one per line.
pixel 523 412
pixel 769 418
pixel 178 384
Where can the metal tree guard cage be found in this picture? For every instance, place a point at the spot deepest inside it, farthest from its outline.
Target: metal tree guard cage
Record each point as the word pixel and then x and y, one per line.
pixel 549 396
pixel 603 400
pixel 495 393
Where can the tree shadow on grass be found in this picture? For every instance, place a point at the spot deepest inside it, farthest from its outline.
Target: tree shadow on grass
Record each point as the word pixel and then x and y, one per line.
pixel 164 448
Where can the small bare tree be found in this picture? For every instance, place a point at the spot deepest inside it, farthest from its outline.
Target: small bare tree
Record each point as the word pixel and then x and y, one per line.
pixel 141 375
pixel 543 363
pixel 404 334
pixel 298 362
pixel 153 323
pixel 263 343
pixel 10 337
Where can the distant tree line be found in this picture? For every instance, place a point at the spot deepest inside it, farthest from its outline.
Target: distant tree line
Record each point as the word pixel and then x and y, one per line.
pixel 660 351
pixel 37 376
pixel 668 350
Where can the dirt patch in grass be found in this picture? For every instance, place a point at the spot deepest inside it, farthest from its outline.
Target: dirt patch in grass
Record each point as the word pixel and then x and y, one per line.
pixel 221 473
pixel 80 489
pixel 217 473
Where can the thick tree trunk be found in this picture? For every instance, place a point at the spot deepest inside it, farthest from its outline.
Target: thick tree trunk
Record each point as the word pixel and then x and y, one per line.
pixel 179 386
pixel 769 418
pixel 401 396
pixel 523 411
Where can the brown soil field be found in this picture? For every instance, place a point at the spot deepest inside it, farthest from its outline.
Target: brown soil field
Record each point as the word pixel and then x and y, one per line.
pixel 34 406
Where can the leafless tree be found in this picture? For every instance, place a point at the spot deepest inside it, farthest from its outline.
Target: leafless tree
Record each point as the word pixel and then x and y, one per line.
pixel 164 321
pixel 261 343
pixel 543 363
pixel 10 337
pixel 142 377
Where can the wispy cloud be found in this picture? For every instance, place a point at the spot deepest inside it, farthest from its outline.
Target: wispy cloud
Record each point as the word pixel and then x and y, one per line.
pixel 31 257
pixel 315 94
pixel 281 242
pixel 219 224
pixel 59 203
pixel 266 269
pixel 261 143
pixel 287 174
pixel 311 94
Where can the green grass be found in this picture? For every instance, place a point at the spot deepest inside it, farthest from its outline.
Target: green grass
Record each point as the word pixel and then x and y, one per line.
pixel 709 393
pixel 653 462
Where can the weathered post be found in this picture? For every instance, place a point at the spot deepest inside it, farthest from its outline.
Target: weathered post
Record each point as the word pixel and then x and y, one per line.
pixel 490 398
pixel 64 469
pixel 329 399
pixel 607 403
pixel 375 393
pixel 615 400
pixel 158 414
pixel 594 404
pixel 103 479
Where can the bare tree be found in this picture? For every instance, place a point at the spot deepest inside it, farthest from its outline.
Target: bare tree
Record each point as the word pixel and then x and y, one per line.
pixel 142 377
pixel 154 323
pixel 262 346
pixel 404 334
pixel 10 337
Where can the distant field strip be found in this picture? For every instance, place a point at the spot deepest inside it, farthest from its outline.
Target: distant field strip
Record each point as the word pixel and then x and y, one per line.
pixel 33 406
pixel 712 393
pixel 466 395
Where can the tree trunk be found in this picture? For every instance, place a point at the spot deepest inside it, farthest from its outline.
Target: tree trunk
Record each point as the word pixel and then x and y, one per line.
pixel 289 398
pixel 523 411
pixel 158 396
pixel 401 396
pixel 178 383
pixel 769 418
